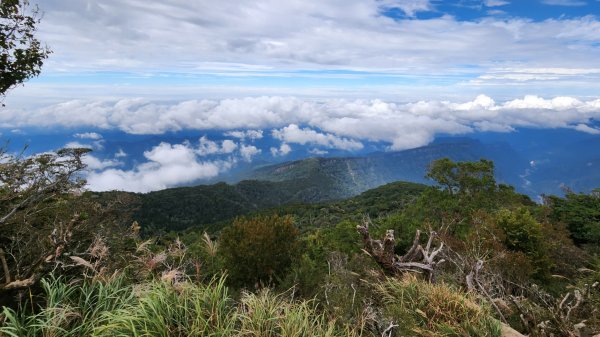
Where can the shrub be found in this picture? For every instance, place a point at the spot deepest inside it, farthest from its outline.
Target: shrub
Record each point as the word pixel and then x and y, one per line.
pixel 258 250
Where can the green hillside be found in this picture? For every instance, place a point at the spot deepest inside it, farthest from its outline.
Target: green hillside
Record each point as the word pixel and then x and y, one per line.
pixel 201 206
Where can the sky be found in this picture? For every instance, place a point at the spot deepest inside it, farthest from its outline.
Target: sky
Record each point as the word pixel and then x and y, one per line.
pixel 318 75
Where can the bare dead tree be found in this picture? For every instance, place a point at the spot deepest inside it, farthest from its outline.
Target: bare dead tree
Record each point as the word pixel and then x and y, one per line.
pixel 418 258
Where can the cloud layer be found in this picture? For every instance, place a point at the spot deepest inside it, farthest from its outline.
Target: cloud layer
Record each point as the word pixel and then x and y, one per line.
pixel 335 123
pixel 193 35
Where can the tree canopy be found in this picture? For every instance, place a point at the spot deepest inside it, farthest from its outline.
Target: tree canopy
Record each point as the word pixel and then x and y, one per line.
pixel 22 54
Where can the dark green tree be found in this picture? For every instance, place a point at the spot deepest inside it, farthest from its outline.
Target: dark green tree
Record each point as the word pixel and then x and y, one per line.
pixel 21 54
pixel 522 233
pixel 467 178
pixel 581 214
pixel 258 250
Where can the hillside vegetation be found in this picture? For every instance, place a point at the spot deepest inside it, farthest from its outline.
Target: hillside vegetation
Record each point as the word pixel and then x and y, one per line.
pixel 458 258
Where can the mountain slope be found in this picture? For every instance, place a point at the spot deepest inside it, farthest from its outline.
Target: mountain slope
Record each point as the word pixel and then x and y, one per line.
pixel 204 205
pixel 353 175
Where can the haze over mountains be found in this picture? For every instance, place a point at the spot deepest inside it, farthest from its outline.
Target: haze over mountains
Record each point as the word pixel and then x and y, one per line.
pixel 535 161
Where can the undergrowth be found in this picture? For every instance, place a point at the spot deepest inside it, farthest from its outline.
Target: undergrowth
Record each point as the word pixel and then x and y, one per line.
pixel 166 309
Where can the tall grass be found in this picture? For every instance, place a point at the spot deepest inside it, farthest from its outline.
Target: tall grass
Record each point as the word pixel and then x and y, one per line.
pixel 69 310
pixel 160 309
pixel 163 309
pixel 268 315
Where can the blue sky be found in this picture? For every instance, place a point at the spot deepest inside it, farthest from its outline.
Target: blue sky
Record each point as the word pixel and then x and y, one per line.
pixel 324 76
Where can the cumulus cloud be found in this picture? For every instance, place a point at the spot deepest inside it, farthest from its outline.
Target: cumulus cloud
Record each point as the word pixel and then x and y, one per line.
pixel 249 151
pixel 283 150
pixel 93 163
pixel 228 146
pixel 208 147
pixel 245 134
pixel 167 165
pixel 95 145
pixel 88 135
pixel 294 134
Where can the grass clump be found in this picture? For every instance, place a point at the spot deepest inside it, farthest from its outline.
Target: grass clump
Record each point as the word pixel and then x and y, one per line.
pixel 425 309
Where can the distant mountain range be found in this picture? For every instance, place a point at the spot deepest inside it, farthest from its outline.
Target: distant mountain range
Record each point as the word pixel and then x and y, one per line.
pixel 353 175
pixel 532 168
pixel 535 161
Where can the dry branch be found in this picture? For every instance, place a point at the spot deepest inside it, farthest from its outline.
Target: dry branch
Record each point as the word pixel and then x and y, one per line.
pixel 417 259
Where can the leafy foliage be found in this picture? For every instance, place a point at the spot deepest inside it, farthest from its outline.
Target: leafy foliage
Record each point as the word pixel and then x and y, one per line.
pixel 22 54
pixel 524 234
pixel 581 214
pixel 258 250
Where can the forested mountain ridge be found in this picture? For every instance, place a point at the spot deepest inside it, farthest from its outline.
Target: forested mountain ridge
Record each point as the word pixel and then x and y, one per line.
pixel 354 175
pixel 204 205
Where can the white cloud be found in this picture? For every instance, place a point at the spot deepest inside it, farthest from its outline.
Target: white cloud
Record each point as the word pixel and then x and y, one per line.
pixel 409 7
pixel 294 134
pixel 496 3
pixel 167 166
pixel 189 36
pixel 283 150
pixel 318 152
pixel 228 146
pixel 93 163
pixel 587 129
pixel 76 145
pixel 564 2
pixel 258 40
pixel 120 154
pixel 245 134
pixel 88 135
pixel 249 151
pixel 208 147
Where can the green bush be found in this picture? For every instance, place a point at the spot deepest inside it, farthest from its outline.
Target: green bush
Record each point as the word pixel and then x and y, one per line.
pixel 258 250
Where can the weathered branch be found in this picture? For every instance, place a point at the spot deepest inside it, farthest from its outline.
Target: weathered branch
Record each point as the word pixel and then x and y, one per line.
pixel 4 266
pixel 417 259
